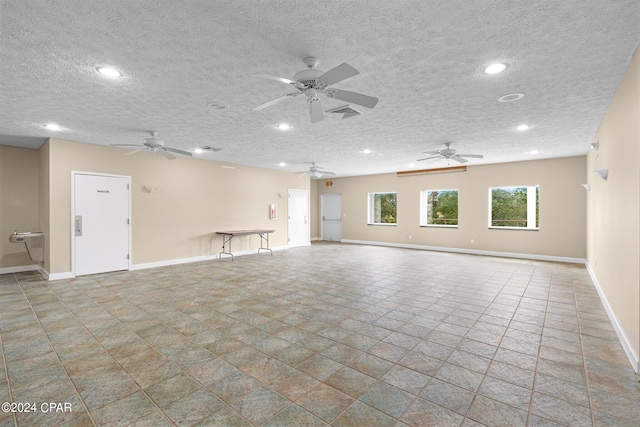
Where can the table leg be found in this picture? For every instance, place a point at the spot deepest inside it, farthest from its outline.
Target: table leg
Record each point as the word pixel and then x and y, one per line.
pixel 224 242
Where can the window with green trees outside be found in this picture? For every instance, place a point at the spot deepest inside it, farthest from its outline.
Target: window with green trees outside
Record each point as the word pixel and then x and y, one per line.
pixel 439 208
pixel 514 207
pixel 382 208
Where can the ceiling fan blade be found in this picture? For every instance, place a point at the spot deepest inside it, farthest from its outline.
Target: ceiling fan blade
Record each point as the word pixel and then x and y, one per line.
pixel 326 173
pixel 430 157
pixel 338 74
pixel 315 111
pixel 475 156
pixel 459 159
pixel 352 97
pixel 166 154
pixel 275 101
pixel 432 152
pixel 279 79
pixel 175 150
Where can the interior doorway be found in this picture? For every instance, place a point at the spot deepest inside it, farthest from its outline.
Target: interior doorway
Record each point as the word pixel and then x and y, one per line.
pixel 331 217
pixel 298 228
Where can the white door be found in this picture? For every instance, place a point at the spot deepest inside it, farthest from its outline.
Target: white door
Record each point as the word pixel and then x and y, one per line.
pixel 100 223
pixel 332 217
pixel 298 221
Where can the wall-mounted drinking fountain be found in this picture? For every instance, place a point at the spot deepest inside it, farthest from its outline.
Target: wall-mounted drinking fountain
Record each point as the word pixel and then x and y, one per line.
pixel 33 240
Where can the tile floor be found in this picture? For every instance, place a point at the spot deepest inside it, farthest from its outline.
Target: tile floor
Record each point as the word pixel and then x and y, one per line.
pixel 330 334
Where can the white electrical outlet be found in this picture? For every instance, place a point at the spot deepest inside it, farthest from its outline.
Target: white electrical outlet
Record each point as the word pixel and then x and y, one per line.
pixel 473 241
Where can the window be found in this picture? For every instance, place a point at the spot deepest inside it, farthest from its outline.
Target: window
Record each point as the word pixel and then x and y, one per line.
pixel 439 208
pixel 513 207
pixel 382 208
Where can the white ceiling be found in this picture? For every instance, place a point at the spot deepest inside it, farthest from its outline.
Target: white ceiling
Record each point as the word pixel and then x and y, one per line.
pixel 422 59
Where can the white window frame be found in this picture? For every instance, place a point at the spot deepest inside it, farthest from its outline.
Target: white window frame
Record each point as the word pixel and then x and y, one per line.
pixel 424 212
pixel 371 207
pixel 531 207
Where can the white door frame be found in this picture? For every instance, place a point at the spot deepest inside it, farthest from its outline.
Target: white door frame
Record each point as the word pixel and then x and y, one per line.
pixel 73 215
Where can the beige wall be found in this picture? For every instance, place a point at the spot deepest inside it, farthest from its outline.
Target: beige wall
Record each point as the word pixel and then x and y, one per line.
pixel 562 208
pixel 18 202
pixel 613 206
pixel 193 199
pixel 314 210
pixel 43 199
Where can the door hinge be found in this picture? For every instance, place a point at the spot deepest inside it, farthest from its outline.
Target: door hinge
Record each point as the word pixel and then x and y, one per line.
pixel 127 186
pixel 127 256
pixel 128 222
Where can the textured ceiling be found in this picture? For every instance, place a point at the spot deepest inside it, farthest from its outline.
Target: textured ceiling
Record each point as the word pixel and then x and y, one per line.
pixel 422 59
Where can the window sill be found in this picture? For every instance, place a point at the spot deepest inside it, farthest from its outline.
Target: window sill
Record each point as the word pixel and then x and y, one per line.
pixel 514 228
pixel 383 225
pixel 438 226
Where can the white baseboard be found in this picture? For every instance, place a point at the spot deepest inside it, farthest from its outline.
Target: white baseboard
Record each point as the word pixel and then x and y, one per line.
pixel 313 239
pixel 624 340
pixel 58 276
pixel 471 251
pixel 20 269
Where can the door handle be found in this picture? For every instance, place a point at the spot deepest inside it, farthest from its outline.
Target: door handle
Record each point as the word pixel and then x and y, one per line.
pixel 305 219
pixel 78 225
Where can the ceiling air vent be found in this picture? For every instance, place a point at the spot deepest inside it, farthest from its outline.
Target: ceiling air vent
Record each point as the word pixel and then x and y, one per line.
pixel 346 110
pixel 210 148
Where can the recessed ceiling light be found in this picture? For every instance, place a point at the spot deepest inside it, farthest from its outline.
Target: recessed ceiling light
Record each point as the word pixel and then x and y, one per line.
pixel 198 150
pixel 52 126
pixel 282 164
pixel 534 152
pixel 112 73
pixel 523 127
pixel 367 151
pixel 511 97
pixel 283 126
pixel 495 68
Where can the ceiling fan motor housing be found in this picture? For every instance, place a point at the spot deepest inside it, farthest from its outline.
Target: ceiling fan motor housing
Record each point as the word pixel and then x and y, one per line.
pixel 310 78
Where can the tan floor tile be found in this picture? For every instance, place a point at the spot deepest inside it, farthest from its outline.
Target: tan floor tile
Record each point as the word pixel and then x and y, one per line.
pixel 417 336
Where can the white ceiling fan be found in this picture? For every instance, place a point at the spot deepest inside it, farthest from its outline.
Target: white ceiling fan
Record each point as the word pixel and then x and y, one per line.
pixel 449 154
pixel 317 172
pixel 157 146
pixel 313 82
